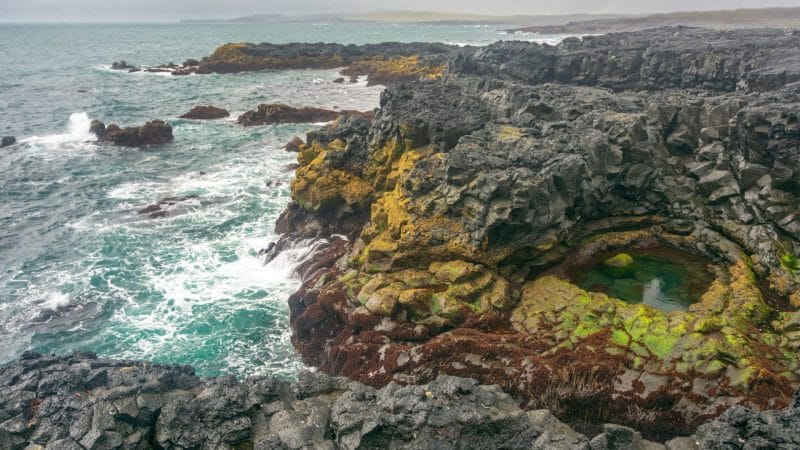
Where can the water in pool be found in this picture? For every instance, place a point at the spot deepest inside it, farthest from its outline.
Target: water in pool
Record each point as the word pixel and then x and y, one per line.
pixel 669 282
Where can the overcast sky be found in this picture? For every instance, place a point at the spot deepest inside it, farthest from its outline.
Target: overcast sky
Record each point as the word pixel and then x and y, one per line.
pixel 170 10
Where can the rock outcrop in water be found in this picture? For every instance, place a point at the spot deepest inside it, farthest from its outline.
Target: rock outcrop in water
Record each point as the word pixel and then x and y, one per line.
pixel 385 63
pixel 155 132
pixel 8 141
pixel 80 401
pixel 466 197
pixel 206 113
pixel 276 113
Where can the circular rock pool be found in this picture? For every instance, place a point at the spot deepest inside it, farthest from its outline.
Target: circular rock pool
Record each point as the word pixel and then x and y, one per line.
pixel 667 279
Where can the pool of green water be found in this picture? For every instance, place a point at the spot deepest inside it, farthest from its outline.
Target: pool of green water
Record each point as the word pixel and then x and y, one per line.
pixel 669 281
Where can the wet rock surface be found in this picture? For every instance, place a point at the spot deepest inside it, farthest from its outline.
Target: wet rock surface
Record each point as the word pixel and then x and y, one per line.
pixel 277 113
pixel 206 113
pixel 465 197
pixel 81 401
pixel 8 141
pixel 155 132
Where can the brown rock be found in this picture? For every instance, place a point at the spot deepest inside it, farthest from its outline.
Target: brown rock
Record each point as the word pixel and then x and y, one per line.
pixel 275 113
pixel 151 133
pixel 205 112
pixel 294 144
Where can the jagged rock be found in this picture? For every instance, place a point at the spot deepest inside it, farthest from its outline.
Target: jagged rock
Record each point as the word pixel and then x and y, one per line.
pixel 276 113
pixel 388 62
pixel 123 65
pixel 80 401
pixel 154 132
pixel 468 200
pixel 98 128
pixel 339 80
pixel 8 141
pixel 294 144
pixel 206 113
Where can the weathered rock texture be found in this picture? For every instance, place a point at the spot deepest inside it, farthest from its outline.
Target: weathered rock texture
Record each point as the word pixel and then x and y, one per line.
pixel 385 63
pixel 82 402
pixel 206 113
pixel 155 132
pixel 465 198
pixel 275 113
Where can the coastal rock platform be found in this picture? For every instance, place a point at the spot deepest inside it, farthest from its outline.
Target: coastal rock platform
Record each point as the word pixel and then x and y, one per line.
pixel 470 199
pixel 83 402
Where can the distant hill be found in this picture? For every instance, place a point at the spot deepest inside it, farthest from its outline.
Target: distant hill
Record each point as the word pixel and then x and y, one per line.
pixel 413 17
pixel 727 19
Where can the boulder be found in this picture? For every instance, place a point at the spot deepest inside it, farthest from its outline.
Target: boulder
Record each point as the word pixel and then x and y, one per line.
pixel 206 113
pixel 294 144
pixel 7 141
pixel 155 132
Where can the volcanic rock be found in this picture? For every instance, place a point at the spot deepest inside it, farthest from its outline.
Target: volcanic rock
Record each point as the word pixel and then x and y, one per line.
pixel 276 113
pixel 388 62
pixel 154 132
pixel 82 401
pixel 123 65
pixel 294 144
pixel 7 141
pixel 467 197
pixel 206 113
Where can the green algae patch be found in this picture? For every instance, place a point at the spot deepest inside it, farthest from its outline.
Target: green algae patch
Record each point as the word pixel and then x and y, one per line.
pixel 720 335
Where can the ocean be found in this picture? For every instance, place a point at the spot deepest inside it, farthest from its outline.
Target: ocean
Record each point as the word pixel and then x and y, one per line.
pixel 81 269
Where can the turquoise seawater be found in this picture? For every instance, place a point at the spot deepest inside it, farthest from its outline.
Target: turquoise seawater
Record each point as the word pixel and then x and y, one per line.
pixel 80 269
pixel 668 280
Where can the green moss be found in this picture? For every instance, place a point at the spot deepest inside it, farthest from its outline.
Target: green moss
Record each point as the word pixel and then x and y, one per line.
pixel 620 266
pixel 790 262
pixel 620 337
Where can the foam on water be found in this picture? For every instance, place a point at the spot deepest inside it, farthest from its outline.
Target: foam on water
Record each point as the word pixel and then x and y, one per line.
pixel 77 135
pixel 82 269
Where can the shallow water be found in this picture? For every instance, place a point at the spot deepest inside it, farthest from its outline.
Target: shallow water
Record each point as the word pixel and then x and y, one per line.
pixel 80 269
pixel 669 281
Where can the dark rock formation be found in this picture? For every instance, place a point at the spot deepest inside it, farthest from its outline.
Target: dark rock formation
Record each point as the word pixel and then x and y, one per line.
pixel 8 141
pixel 206 113
pixel 123 65
pixel 275 113
pixel 154 132
pixel 384 63
pixel 466 198
pixel 161 207
pixel 339 80
pixel 80 401
pixel 294 145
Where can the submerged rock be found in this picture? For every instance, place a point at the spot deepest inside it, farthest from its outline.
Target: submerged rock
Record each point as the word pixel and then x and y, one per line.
pixel 155 132
pixel 206 113
pixel 8 141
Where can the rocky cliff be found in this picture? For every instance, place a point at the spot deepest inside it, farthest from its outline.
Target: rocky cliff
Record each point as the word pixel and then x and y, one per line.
pixel 82 402
pixel 469 200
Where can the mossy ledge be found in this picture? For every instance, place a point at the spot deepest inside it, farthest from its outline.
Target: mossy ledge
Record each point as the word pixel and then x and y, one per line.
pixel 467 199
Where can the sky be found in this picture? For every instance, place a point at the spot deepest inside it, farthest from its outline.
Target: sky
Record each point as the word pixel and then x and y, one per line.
pixel 172 10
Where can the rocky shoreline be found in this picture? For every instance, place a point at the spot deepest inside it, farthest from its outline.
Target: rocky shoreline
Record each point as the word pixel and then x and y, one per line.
pixel 385 63
pixel 469 199
pixel 82 402
pixel 451 225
